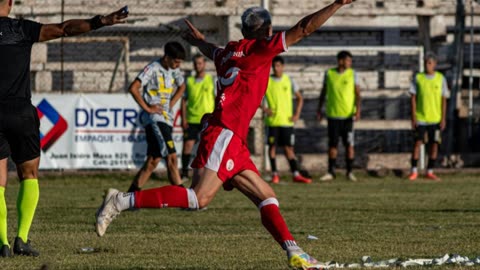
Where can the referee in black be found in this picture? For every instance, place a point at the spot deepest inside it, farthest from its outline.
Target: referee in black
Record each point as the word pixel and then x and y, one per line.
pixel 19 123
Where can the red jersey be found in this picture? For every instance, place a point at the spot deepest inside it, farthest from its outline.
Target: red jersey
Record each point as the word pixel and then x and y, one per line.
pixel 243 70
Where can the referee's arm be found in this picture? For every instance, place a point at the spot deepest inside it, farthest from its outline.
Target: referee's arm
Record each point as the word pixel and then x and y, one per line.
pixel 78 26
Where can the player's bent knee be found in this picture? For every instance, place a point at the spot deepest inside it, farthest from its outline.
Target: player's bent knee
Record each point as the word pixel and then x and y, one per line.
pixel 203 200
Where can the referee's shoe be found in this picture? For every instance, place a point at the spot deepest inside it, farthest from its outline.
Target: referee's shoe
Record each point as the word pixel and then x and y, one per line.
pixel 22 248
pixel 5 251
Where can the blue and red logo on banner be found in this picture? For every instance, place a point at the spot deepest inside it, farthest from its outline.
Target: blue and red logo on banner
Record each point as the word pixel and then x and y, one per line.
pixel 45 109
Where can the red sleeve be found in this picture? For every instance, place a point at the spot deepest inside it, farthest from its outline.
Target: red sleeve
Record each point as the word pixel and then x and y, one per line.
pixel 271 46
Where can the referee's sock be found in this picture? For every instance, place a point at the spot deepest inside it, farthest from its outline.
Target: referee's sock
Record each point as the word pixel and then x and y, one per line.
pixel 26 205
pixel 3 218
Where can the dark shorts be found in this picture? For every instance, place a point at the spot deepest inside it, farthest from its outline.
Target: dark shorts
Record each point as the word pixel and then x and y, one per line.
pixel 281 136
pixel 340 128
pixel 159 140
pixel 19 133
pixel 192 132
pixel 428 133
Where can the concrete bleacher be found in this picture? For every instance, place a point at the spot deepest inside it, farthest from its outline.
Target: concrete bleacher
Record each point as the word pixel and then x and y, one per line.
pixel 384 77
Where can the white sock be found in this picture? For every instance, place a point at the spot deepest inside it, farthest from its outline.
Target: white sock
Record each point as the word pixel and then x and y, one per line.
pixel 295 173
pixel 414 170
pixel 291 246
pixel 192 199
pixel 125 200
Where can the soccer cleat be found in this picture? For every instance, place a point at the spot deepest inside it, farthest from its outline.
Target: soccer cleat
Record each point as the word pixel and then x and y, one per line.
pixel 432 176
pixel 413 176
pixel 351 177
pixel 275 179
pixel 301 179
pixel 327 177
pixel 107 212
pixel 24 249
pixel 5 251
pixel 299 259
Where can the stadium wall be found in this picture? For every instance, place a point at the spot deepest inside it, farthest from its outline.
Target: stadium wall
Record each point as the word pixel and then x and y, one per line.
pixel 385 78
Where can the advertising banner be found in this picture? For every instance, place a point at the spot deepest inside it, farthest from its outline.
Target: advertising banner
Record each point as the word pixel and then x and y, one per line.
pixel 94 131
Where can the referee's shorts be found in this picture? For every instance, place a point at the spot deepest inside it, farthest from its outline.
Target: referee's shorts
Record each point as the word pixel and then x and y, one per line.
pixel 19 131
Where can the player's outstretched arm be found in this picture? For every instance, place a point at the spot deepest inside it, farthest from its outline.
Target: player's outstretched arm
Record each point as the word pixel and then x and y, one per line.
pixel 77 27
pixel 312 22
pixel 197 39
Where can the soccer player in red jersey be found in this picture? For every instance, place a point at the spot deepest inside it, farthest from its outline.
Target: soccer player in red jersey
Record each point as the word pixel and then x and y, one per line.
pixel 223 159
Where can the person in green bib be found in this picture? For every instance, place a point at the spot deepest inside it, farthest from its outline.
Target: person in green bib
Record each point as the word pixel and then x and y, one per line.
pixel 342 94
pixel 198 99
pixel 429 93
pixel 280 119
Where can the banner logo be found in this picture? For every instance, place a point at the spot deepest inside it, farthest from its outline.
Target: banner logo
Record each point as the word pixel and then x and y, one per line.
pixel 45 109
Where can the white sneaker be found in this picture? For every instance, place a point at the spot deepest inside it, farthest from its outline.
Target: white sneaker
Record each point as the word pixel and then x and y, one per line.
pixel 107 212
pixel 327 177
pixel 351 177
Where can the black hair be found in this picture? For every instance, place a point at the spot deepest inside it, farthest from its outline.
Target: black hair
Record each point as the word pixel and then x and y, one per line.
pixel 175 50
pixel 278 58
pixel 344 54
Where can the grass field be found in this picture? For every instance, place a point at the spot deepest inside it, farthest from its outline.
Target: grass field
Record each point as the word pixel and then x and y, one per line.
pixel 383 218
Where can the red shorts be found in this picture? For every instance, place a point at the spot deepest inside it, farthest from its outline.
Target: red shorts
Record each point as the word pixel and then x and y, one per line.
pixel 222 151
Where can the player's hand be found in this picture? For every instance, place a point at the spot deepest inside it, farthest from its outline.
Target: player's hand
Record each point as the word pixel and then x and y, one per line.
pixel 319 116
pixel 184 125
pixel 155 109
pixel 357 115
pixel 414 124
pixel 443 124
pixel 344 2
pixel 268 111
pixel 294 118
pixel 116 17
pixel 194 37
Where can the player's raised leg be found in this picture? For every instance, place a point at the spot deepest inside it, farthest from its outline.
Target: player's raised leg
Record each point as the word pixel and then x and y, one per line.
pixel 164 197
pixel 262 195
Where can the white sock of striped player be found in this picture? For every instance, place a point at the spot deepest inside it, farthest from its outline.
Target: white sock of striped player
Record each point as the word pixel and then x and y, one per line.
pixel 125 200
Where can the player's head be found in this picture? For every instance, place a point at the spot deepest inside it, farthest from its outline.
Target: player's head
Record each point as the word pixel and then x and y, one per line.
pixel 6 6
pixel 430 62
pixel 199 63
pixel 174 54
pixel 278 64
pixel 344 59
pixel 256 23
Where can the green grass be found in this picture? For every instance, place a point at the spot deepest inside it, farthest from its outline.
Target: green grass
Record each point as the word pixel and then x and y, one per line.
pixel 383 218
